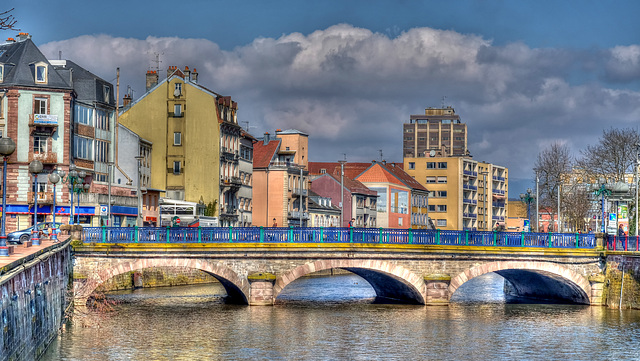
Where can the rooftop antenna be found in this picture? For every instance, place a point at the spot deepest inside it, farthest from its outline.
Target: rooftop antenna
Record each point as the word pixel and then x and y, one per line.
pixel 380 150
pixel 130 91
pixel 444 97
pixel 248 126
pixel 345 156
pixel 157 61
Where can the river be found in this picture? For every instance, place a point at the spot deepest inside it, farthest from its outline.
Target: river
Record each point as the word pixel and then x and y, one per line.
pixel 333 318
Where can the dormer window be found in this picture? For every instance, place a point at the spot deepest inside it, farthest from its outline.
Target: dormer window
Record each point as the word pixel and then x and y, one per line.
pixel 41 73
pixel 177 90
pixel 107 93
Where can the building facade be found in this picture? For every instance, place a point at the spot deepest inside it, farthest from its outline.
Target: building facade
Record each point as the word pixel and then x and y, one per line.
pixel 245 194
pixel 322 212
pixel 463 193
pixel 230 180
pixel 280 179
pixel 438 132
pixel 180 118
pixel 36 104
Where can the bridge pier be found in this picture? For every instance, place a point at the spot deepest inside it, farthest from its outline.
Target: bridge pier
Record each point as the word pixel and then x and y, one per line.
pixel 437 289
pixel 597 289
pixel 261 289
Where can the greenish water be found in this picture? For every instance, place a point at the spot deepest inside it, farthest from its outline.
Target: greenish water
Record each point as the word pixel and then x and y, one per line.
pixel 332 318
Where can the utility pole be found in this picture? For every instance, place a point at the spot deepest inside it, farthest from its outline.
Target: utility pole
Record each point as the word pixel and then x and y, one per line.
pixel 342 162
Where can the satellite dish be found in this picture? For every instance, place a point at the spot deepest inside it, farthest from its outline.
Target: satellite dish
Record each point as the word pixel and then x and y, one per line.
pixel 432 153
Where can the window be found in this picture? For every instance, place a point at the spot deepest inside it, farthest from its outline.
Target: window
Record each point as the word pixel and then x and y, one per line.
pixel 432 208
pixel 177 110
pixel 82 115
pixel 442 222
pixel 442 207
pixel 106 90
pixel 441 194
pixel 1 73
pixel 431 165
pixel 40 106
pixel 442 179
pixel 442 165
pixel 323 171
pixel 83 148
pixel 41 74
pixel 39 144
pixel 176 167
pixel 178 89
pixel 412 165
pixel 102 151
pixel 102 119
pixel 431 179
pixel 177 138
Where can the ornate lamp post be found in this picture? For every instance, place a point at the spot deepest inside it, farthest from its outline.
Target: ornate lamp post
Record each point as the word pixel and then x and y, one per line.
pixel 54 178
pixel 7 147
pixel 75 182
pixel 528 198
pixel 602 191
pixel 35 168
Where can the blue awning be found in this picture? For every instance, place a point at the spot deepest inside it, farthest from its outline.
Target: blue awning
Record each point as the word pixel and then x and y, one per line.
pixel 124 211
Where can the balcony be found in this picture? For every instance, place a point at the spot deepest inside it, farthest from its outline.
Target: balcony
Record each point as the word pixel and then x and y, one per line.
pixel 498 178
pixel 44 124
pixel 296 215
pixel 498 204
pixel 45 158
pixel 232 182
pixel 469 215
pixel 43 197
pixel 228 212
pixel 498 191
pixel 469 187
pixel 298 192
pixel 498 218
pixel 228 155
pixel 176 115
pixel 469 201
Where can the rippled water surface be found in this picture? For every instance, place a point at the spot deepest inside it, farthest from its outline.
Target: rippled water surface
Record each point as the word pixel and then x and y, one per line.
pixel 332 318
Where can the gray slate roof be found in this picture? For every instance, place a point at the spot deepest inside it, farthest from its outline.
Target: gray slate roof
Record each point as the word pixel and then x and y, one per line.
pixel 19 60
pixel 88 86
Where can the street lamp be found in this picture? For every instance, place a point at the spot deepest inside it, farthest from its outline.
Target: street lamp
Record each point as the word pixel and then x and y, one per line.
pixel 528 198
pixel 74 180
pixel 602 191
pixel 342 162
pixel 7 147
pixel 139 191
pixel 35 168
pixel 54 178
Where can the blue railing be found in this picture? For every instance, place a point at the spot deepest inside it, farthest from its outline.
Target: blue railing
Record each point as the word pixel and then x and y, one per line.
pixel 177 235
pixel 623 243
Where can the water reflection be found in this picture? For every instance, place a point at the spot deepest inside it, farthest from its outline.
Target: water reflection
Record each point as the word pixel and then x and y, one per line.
pixel 332 318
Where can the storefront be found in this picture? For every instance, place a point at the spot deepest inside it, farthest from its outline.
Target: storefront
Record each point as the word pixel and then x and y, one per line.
pixel 122 216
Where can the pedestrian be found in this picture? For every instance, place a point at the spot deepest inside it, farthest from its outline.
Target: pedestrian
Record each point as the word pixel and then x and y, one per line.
pixel 351 222
pixel 275 224
pixel 621 231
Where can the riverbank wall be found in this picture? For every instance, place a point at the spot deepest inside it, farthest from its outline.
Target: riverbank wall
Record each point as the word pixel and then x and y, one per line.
pixel 33 301
pixel 622 281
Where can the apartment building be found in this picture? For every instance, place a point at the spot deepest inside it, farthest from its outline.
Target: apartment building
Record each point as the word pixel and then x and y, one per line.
pixel 439 130
pixel 463 193
pixel 281 179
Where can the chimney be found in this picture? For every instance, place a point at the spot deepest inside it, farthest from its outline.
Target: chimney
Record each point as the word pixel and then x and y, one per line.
pixel 126 100
pixel 266 138
pixel 11 40
pixel 186 73
pixel 152 79
pixel 194 76
pixel 23 36
pixel 170 70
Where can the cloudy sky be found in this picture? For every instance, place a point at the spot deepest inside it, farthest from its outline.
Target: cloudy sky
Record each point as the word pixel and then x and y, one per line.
pixel 521 74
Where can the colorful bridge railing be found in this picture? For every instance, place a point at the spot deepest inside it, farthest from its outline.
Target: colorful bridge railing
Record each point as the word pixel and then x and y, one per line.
pixel 623 243
pixel 334 235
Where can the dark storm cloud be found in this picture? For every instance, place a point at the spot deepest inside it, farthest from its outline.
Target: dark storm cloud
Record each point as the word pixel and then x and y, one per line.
pixel 351 89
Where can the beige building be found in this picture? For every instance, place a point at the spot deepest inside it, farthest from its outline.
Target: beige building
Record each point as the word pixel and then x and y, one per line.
pixel 463 193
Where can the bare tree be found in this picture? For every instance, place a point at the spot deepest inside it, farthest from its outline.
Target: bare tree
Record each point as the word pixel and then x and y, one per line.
pixel 7 21
pixel 576 205
pixel 613 156
pixel 553 167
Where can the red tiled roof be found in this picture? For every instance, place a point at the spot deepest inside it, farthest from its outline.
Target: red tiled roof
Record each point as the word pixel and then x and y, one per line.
pixel 404 177
pixel 262 154
pixel 353 186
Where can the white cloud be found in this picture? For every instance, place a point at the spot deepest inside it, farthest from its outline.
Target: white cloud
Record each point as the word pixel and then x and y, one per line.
pixel 351 89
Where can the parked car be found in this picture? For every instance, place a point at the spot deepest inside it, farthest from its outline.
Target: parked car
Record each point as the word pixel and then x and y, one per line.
pixel 25 234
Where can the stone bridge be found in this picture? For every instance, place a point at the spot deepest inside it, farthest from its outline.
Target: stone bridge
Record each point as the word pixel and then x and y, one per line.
pixel 255 274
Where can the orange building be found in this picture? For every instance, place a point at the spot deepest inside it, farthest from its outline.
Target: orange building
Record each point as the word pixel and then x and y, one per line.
pixel 280 179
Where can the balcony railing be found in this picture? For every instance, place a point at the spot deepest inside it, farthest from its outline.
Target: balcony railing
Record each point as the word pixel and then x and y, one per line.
pixel 298 191
pixel 45 158
pixel 469 201
pixel 469 187
pixel 498 191
pixel 498 218
pixel 469 215
pixel 296 215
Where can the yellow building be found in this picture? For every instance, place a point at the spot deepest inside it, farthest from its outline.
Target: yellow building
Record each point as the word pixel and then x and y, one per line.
pixel 180 118
pixel 463 193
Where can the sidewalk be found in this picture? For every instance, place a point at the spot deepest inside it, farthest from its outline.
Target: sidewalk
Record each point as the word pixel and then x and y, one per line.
pixel 21 251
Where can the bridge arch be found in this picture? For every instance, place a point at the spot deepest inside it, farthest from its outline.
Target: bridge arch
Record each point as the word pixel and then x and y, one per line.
pixel 237 289
pixel 390 282
pixel 533 279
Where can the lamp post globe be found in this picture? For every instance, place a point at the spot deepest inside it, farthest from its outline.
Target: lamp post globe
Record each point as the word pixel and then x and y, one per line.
pixel 7 147
pixel 35 167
